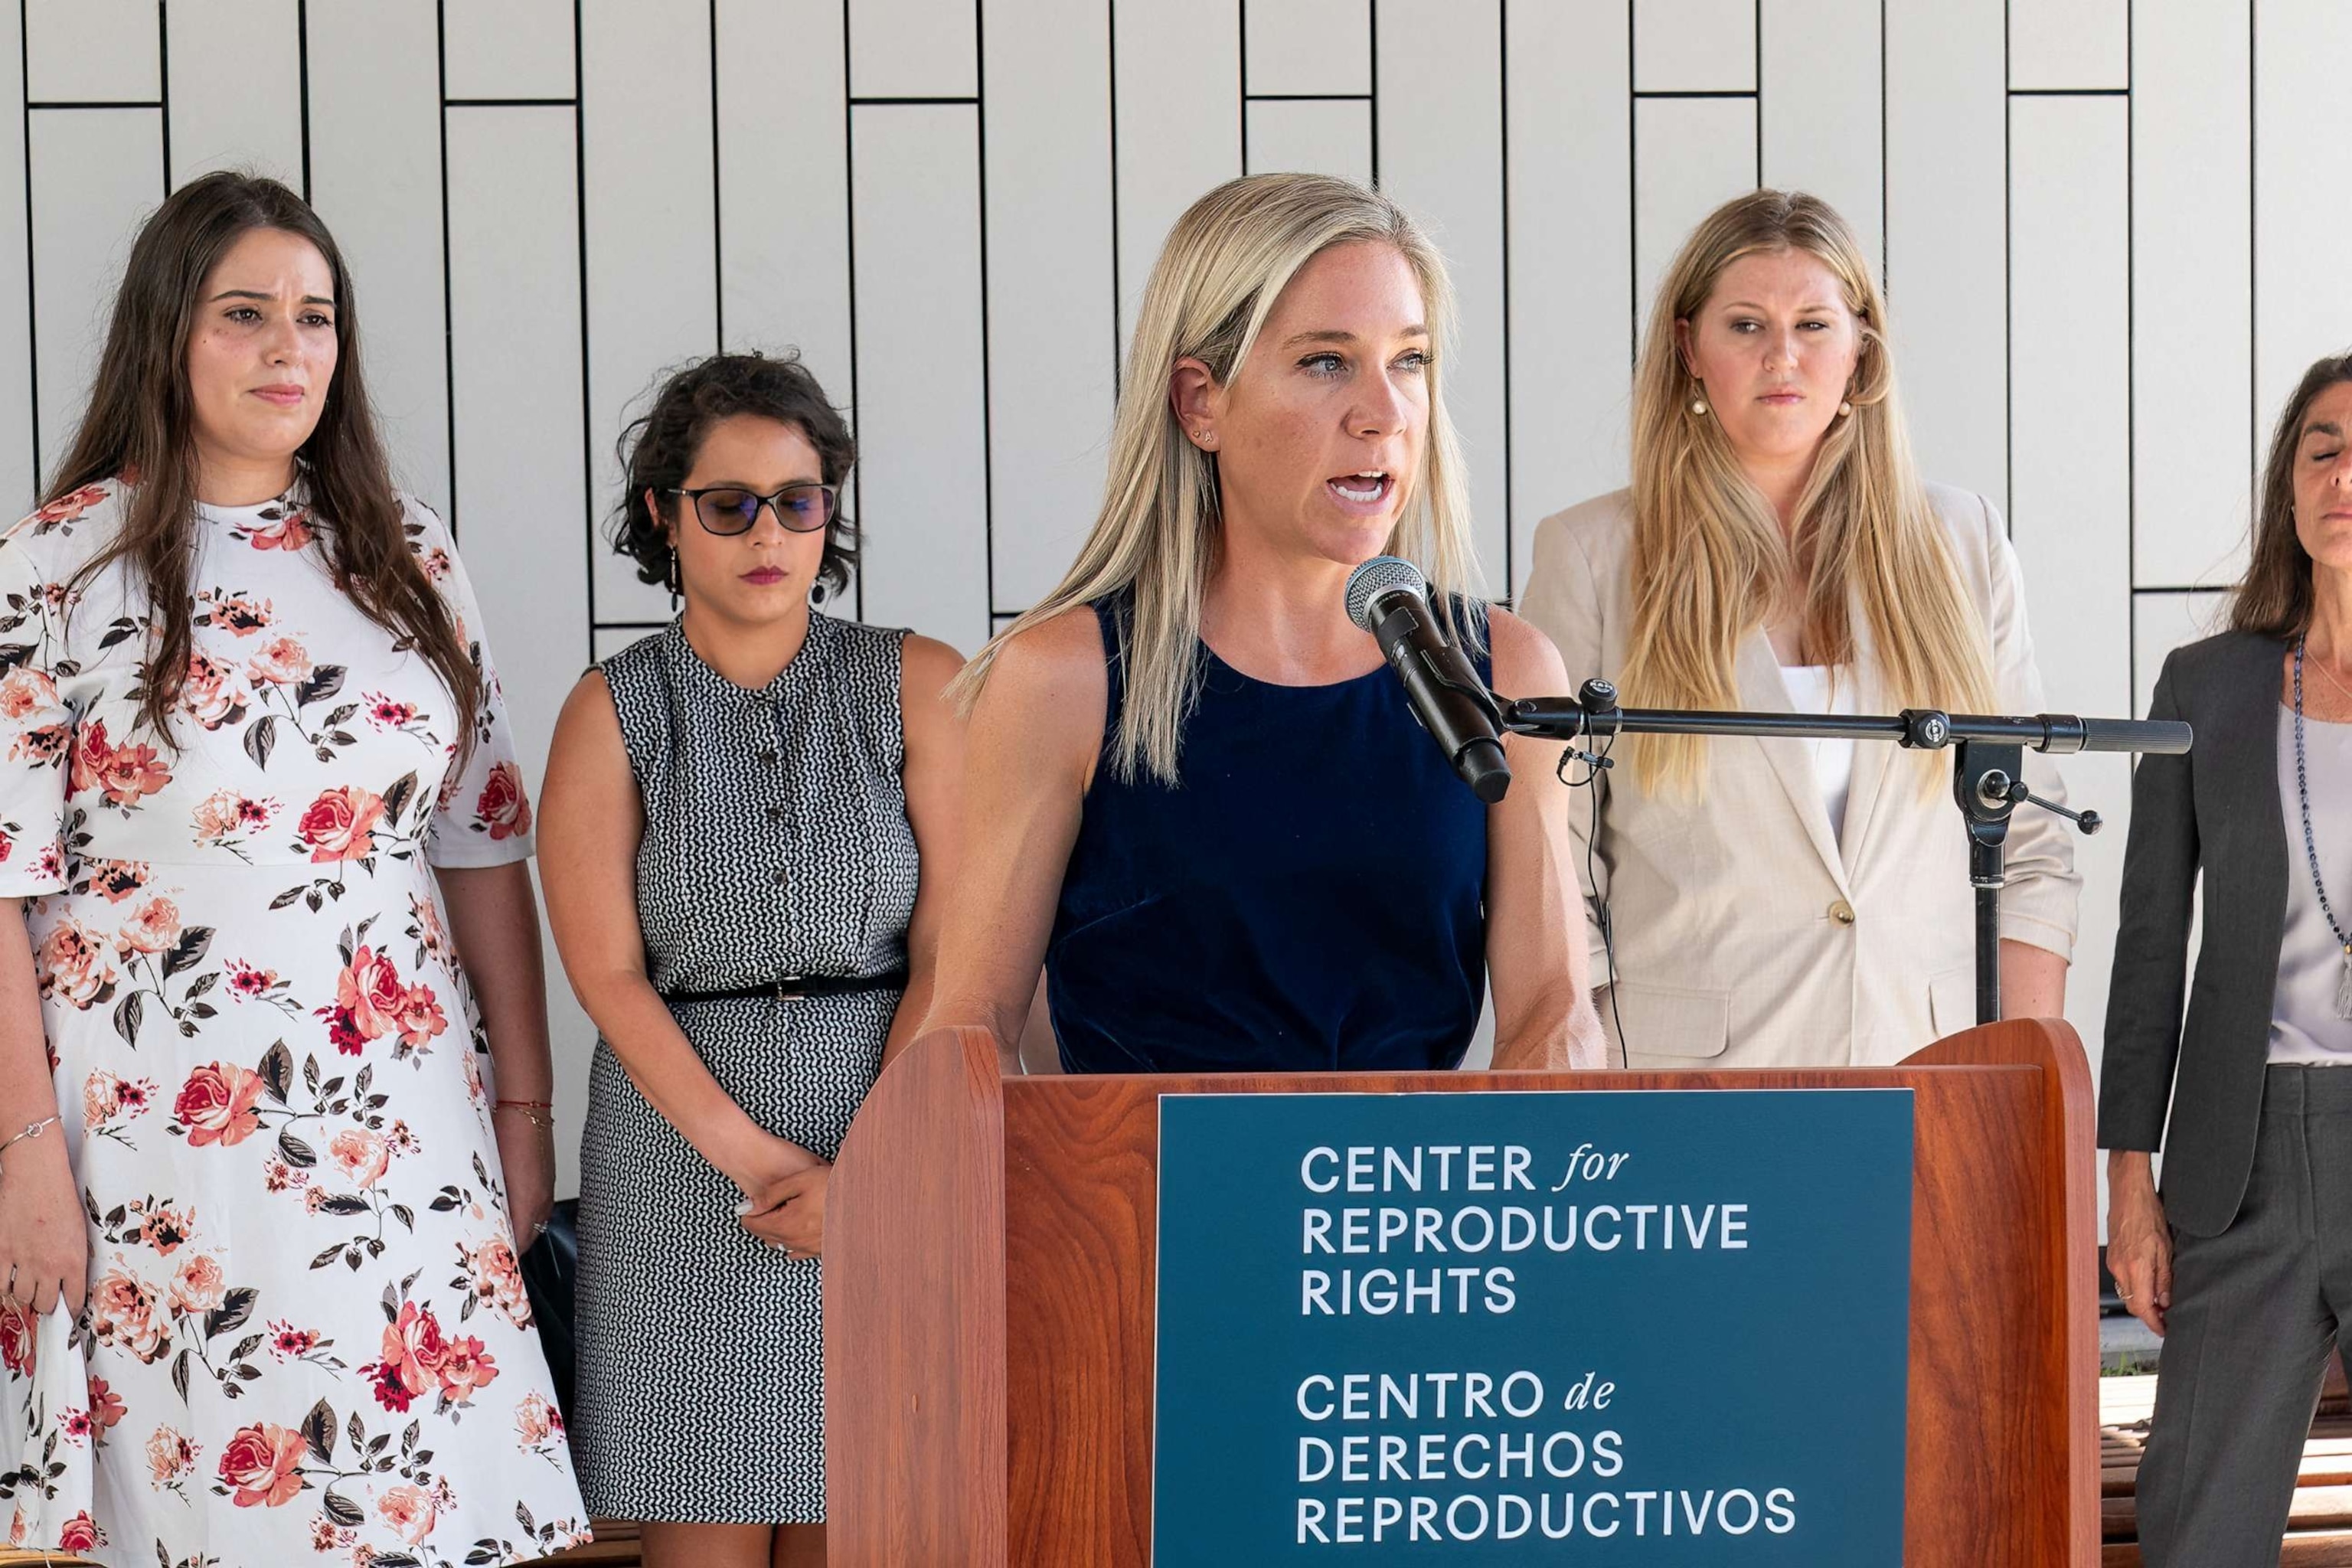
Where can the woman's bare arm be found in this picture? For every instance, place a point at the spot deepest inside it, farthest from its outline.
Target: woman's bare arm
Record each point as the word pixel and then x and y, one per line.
pixel 1535 925
pixel 1029 757
pixel 935 756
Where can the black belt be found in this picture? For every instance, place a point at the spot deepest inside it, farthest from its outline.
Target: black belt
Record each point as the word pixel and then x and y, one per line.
pixel 796 988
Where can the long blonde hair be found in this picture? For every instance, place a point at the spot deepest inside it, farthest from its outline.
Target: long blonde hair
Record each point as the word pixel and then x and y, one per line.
pixel 1710 564
pixel 1224 264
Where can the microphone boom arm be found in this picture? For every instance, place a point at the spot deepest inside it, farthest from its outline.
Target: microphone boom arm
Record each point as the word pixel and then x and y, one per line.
pixel 1987 781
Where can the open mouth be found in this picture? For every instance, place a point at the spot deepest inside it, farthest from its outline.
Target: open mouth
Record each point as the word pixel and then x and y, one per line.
pixel 1368 488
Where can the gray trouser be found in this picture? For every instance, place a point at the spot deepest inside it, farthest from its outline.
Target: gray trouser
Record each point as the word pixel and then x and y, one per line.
pixel 2254 1313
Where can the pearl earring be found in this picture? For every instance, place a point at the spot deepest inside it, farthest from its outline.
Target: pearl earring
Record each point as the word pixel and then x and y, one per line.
pixel 1845 410
pixel 1698 406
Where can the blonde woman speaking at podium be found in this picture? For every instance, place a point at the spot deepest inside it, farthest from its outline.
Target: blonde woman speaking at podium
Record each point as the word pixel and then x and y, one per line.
pixel 1785 902
pixel 1194 792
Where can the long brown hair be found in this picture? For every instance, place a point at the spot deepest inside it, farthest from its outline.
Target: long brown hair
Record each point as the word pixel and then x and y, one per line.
pixel 2275 595
pixel 1710 564
pixel 138 428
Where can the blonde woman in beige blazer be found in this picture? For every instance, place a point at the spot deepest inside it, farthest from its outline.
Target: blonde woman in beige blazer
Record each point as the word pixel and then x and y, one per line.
pixel 1762 917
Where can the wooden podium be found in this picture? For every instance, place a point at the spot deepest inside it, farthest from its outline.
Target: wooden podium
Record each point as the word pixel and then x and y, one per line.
pixel 990 1288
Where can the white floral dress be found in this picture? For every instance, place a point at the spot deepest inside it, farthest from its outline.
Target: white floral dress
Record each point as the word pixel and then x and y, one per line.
pixel 307 1337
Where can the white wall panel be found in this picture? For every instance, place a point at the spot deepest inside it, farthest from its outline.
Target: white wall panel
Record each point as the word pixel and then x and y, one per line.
pixel 1440 129
pixel 93 51
pixel 19 478
pixel 259 44
pixel 1824 109
pixel 514 311
pixel 2193 281
pixel 376 178
pixel 96 175
pixel 913 48
pixel 1050 235
pixel 2302 306
pixel 1690 156
pixel 1314 136
pixel 783 183
pixel 1176 108
pixel 652 293
pixel 1946 138
pixel 2070 515
pixel 1695 46
pixel 509 48
pixel 1571 255
pixel 920 384
pixel 2068 45
pixel 1316 46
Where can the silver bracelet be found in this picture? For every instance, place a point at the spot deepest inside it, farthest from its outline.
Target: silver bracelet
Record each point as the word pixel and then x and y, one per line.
pixel 32 1130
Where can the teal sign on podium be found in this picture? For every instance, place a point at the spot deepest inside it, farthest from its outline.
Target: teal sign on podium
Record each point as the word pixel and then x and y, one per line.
pixel 1638 1328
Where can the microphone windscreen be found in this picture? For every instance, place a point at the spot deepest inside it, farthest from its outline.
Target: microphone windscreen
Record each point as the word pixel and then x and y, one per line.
pixel 1373 578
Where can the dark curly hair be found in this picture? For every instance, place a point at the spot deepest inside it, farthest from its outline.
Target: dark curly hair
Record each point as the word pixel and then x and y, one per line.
pixel 659 449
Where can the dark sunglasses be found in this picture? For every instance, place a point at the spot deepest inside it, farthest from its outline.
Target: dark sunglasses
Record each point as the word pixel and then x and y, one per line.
pixel 729 509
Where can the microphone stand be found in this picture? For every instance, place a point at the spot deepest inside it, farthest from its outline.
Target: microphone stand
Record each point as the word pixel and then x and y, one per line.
pixel 1988 763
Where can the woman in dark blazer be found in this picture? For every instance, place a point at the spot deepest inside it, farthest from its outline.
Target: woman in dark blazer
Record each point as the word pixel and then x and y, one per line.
pixel 2244 1264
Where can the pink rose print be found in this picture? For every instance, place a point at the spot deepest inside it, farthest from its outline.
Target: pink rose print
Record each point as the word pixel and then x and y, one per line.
pixel 281 661
pixel 361 1155
pixel 170 1457
pixel 166 1229
pixel 215 1105
pixel 537 1422
pixel 495 1276
pixel 69 508
pixel 154 927
pixel 24 692
pixel 71 963
pixel 340 825
pixel 262 1466
pixel 291 531
pixel 212 693
pixel 115 880
pixel 18 1334
pixel 122 1313
pixel 412 1510
pixel 465 1368
pixel 106 1406
pixel 81 1534
pixel 198 1285
pixel 369 999
pixel 237 614
pixel 502 807
pixel 122 773
pixel 419 1017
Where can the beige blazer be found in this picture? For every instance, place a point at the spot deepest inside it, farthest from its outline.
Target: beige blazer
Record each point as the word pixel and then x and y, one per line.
pixel 1747 933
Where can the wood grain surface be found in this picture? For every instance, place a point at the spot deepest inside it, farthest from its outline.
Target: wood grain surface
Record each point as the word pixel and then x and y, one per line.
pixel 2003 1451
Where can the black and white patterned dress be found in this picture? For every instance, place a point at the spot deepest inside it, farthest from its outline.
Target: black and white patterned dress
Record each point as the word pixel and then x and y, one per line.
pixel 776 843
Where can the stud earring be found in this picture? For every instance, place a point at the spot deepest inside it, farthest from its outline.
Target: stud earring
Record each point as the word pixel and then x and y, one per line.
pixel 1845 410
pixel 1698 406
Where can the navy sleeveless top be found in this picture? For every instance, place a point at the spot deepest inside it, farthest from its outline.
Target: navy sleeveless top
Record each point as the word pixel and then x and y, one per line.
pixel 1310 897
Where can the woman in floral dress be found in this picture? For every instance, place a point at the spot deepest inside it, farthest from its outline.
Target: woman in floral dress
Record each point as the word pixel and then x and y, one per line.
pixel 256 794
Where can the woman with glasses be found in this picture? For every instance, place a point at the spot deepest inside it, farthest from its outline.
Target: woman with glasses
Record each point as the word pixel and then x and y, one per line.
pixel 747 817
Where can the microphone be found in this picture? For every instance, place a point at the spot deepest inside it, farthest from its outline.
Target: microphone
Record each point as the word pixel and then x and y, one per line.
pixel 1389 598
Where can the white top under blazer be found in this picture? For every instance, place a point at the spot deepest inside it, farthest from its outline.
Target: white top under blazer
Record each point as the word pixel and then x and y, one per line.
pixel 1750 931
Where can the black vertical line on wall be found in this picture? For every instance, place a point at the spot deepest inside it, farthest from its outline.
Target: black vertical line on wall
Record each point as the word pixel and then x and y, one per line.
pixel 1111 31
pixel 1373 96
pixel 1757 81
pixel 2131 376
pixel 164 83
pixel 1886 227
pixel 32 314
pixel 302 60
pixel 1241 98
pixel 587 409
pixel 718 219
pixel 1503 111
pixel 2008 288
pixel 1633 193
pixel 849 231
pixel 448 309
pixel 987 419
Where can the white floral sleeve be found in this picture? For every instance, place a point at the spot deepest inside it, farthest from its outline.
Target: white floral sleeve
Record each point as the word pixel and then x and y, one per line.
pixel 36 722
pixel 483 817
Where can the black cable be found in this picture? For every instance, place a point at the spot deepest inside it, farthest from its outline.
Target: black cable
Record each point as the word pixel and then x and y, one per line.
pixel 1595 763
